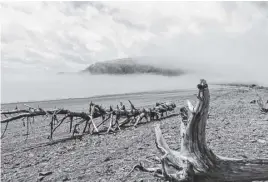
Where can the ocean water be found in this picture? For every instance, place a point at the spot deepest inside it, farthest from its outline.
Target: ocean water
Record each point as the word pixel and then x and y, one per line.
pixel 52 87
pixel 38 86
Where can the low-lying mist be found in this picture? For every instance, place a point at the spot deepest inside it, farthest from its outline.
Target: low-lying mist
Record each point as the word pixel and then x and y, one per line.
pixel 49 86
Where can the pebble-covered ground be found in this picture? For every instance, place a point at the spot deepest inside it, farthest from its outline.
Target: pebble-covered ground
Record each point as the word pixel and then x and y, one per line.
pixel 235 128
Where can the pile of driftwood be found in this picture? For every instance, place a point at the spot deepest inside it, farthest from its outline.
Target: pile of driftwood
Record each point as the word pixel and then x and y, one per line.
pixel 94 121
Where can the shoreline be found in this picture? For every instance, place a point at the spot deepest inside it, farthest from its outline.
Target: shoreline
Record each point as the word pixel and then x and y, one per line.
pixel 107 96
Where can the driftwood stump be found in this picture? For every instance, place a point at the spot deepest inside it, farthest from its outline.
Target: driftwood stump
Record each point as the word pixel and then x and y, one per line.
pixel 195 161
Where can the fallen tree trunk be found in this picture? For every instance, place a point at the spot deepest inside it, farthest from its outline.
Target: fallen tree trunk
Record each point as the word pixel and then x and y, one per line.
pixel 95 111
pixel 195 161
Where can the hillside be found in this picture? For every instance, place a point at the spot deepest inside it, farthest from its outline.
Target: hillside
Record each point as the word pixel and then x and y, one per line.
pixel 130 66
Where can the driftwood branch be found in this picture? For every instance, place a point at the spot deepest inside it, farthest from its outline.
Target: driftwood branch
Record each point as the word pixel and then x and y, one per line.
pixel 195 161
pixel 116 118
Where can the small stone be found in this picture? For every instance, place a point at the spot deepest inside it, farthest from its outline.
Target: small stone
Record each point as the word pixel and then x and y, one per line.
pixel 80 178
pixel 15 165
pixel 65 178
pixel 42 164
pixel 253 102
pixel 45 173
pixel 25 166
pixel 102 180
pixel 40 178
pixel 261 141
pixel 83 144
pixel 107 159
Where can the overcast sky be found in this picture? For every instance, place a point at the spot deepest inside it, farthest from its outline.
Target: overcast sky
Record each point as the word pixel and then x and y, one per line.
pixel 68 36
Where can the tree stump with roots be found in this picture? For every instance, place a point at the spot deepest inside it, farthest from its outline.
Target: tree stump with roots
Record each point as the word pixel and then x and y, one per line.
pixel 195 161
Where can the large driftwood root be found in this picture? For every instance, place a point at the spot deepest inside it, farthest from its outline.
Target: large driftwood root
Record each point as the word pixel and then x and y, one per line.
pixel 195 161
pixel 262 104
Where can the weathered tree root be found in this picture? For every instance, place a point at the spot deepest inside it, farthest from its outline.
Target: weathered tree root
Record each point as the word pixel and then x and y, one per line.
pixel 263 106
pixel 195 161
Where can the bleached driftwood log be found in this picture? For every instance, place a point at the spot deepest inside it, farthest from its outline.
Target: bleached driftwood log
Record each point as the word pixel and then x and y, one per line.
pixel 113 116
pixel 196 161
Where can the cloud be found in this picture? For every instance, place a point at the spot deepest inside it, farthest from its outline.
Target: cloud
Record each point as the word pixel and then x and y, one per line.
pixel 63 36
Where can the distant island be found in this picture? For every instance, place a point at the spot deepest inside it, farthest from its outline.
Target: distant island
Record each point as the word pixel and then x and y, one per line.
pixel 129 66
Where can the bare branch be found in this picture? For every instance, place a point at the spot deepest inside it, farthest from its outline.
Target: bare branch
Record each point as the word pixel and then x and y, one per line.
pixel 4 131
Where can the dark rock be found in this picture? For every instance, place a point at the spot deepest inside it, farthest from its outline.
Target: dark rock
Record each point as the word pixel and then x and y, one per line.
pixel 107 159
pixel 40 178
pixel 66 178
pixel 253 102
